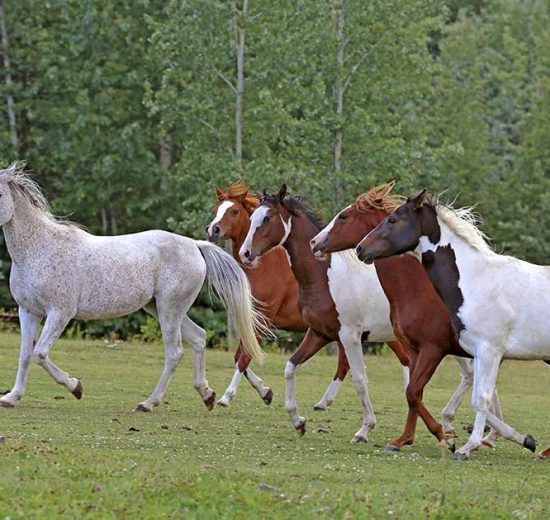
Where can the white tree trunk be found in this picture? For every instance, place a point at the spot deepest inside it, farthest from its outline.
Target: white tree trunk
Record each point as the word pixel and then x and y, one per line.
pixel 240 45
pixel 339 89
pixel 9 83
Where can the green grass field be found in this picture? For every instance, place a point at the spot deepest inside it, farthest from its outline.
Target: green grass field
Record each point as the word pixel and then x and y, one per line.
pixel 94 458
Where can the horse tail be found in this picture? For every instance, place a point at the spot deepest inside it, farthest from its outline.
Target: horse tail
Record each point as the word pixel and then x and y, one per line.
pixel 231 285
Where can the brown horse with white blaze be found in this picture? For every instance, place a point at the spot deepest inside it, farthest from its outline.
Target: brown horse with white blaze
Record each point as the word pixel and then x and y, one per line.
pixel 272 283
pixel 418 315
pixel 339 298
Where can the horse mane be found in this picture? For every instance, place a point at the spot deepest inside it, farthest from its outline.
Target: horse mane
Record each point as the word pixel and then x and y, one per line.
pixel 22 183
pixel 239 190
pixel 379 197
pixel 464 222
pixel 297 205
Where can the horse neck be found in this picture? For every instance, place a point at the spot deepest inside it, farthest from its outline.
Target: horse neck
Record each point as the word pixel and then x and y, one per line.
pixel 446 262
pixel 27 230
pixel 238 240
pixel 306 268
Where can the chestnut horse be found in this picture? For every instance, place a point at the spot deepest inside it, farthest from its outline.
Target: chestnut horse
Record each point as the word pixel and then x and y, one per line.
pixel 418 315
pixel 272 283
pixel 339 299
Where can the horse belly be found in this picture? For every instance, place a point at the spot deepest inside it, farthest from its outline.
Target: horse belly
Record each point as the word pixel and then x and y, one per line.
pixel 117 297
pixel 360 301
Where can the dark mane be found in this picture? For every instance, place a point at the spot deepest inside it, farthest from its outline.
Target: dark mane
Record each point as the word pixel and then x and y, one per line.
pixel 296 205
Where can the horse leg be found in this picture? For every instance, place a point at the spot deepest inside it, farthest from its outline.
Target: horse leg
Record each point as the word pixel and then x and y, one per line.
pixel 486 365
pixel 466 379
pixel 231 390
pixel 242 361
pixel 170 322
pixel 407 437
pixel 403 353
pixel 351 339
pixel 341 372
pixel 310 345
pixel 428 360
pixel 196 337
pixel 30 324
pixel 490 439
pixel 53 328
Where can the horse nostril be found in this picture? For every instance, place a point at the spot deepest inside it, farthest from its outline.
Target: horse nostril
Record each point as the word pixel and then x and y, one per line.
pixel 312 242
pixel 206 229
pixel 359 249
pixel 247 253
pixel 216 230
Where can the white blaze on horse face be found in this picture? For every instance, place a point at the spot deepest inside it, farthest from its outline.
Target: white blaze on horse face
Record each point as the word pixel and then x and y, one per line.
pixel 323 234
pixel 287 227
pixel 222 208
pixel 256 220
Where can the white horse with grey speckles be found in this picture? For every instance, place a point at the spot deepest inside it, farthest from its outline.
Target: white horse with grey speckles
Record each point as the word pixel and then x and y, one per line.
pixel 60 272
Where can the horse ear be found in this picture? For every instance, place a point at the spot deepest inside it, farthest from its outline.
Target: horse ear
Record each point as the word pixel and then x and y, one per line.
pixel 419 198
pixel 281 193
pixel 220 194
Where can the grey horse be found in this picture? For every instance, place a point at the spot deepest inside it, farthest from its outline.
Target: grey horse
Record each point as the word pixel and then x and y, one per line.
pixel 60 272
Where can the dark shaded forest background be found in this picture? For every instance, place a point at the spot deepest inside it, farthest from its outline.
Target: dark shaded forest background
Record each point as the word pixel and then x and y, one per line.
pixel 129 112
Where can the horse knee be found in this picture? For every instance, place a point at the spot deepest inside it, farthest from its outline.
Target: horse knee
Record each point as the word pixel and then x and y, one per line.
pixel 174 357
pixel 39 357
pixel 481 402
pixel 290 370
pixel 413 397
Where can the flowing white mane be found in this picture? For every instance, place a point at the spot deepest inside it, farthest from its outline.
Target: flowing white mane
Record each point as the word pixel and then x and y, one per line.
pixel 464 222
pixel 17 178
pixel 21 182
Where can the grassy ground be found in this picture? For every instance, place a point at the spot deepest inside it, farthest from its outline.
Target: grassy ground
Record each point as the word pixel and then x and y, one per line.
pixel 95 458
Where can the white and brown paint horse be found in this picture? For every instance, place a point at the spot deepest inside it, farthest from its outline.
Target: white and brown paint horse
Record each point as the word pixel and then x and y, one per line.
pixel 498 304
pixel 272 283
pixel 339 297
pixel 60 272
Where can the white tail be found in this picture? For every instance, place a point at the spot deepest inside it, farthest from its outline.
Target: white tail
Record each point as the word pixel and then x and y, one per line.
pixel 232 287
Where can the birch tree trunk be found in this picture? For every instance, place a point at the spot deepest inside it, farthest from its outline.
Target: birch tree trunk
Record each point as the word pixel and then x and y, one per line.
pixel 9 83
pixel 239 89
pixel 339 98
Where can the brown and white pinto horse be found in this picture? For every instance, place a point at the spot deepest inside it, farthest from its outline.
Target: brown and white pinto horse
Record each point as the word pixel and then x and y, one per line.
pixel 339 298
pixel 272 283
pixel 418 315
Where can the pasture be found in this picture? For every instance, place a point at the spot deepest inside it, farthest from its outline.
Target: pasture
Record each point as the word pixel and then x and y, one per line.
pixel 94 458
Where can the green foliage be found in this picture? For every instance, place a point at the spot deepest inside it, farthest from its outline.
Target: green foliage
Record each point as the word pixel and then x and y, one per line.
pixel 126 110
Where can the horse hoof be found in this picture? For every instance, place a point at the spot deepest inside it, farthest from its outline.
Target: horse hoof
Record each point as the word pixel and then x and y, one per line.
pixel 451 434
pixel 77 392
pixel 141 408
pixel 209 401
pixel 358 439
pixel 487 444
pixel 268 397
pixel 6 404
pixel 224 403
pixel 460 456
pixel 320 407
pixel 391 448
pixel 530 443
pixel 301 428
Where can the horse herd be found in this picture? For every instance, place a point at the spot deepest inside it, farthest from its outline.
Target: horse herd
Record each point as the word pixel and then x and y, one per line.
pixel 451 295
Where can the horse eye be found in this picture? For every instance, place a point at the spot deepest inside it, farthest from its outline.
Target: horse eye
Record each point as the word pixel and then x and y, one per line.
pixel 391 219
pixel 266 219
pixel 235 212
pixel 343 217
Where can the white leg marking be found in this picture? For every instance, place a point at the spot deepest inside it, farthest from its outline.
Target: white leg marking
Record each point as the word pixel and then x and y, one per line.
pixel 466 380
pixel 351 340
pixel 330 395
